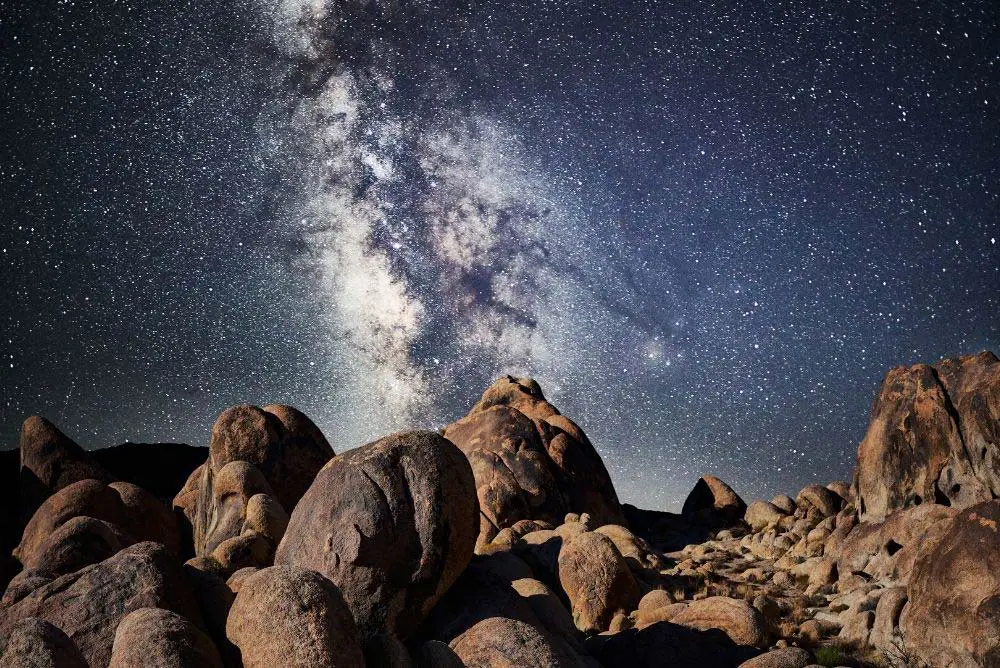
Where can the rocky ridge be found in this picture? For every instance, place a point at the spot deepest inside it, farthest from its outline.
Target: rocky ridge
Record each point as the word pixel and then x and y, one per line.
pixel 500 541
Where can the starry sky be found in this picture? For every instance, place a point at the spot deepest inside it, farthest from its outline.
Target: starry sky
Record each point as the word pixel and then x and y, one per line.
pixel 708 232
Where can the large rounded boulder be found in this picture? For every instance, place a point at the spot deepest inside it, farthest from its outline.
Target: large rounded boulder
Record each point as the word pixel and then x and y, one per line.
pixel 157 638
pixel 392 524
pixel 597 581
pixel 531 462
pixel 713 501
pixel 954 593
pixel 50 461
pixel 288 616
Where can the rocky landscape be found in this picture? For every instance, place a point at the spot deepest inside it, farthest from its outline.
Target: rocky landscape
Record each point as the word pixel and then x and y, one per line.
pixel 500 541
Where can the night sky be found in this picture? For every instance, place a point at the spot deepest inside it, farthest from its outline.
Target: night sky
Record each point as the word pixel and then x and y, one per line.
pixel 708 233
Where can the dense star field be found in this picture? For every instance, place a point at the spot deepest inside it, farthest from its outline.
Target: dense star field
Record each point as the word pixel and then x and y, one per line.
pixel 707 233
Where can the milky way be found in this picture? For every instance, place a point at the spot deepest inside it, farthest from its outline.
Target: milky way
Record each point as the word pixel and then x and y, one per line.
pixel 706 233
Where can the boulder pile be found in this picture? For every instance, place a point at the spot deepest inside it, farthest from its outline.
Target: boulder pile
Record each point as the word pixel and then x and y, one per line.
pixel 500 541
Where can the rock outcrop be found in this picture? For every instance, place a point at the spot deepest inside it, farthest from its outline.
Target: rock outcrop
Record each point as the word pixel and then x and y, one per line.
pixel 932 438
pixel 531 462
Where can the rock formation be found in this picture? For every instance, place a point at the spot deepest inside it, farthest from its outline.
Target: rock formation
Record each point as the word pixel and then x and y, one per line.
pixel 530 461
pixel 500 542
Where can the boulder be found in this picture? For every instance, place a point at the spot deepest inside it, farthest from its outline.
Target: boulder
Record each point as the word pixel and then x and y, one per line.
pixel 50 461
pixel 954 593
pixel 289 616
pixel 736 618
pixel 89 603
pixel 392 524
pixel 885 551
pixel 636 551
pixel 530 462
pixel 501 642
pixel 496 615
pixel 597 581
pixel 714 501
pixel 126 506
pixel 280 441
pixel 35 643
pixel 887 611
pixel 827 502
pixel 784 657
pixel 667 644
pixel 157 638
pixel 784 503
pixel 79 542
pixel 761 515
pixel 932 438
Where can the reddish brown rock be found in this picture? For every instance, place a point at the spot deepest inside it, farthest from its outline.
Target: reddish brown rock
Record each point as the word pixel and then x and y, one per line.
pixel 885 551
pixel 79 542
pixel 761 515
pixel 932 438
pixel 785 657
pixel 392 524
pixel 826 501
pixel 490 618
pixel 597 581
pixel 737 619
pixel 89 603
pixel 288 616
pixel 530 462
pixel 157 638
pixel 51 461
pixel 954 593
pixel 222 504
pixel 131 509
pixel 35 643
pixel 714 501
pixel 280 441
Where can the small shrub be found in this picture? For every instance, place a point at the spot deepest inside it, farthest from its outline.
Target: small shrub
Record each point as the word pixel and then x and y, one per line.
pixel 830 655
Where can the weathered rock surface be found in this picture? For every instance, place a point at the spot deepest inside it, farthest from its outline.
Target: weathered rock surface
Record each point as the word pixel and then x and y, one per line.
pixel 737 619
pixel 89 603
pixel 289 616
pixel 35 643
pixel 597 581
pixel 392 524
pixel 530 462
pixel 954 593
pixel 760 515
pixel 134 511
pixel 157 638
pixel 932 438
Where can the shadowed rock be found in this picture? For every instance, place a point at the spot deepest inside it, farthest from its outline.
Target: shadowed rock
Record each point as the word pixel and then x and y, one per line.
pixel 89 603
pixel 713 501
pixel 35 643
pixel 50 461
pixel 392 524
pixel 597 581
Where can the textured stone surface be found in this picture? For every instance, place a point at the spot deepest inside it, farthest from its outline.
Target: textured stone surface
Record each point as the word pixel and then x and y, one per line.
pixel 530 462
pixel 35 643
pixel 954 593
pixel 157 638
pixel 289 616
pixel 932 438
pixel 88 604
pixel 596 580
pixel 392 524
pixel 714 501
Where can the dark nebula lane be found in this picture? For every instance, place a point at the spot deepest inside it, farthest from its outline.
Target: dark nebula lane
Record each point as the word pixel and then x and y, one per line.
pixel 708 233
